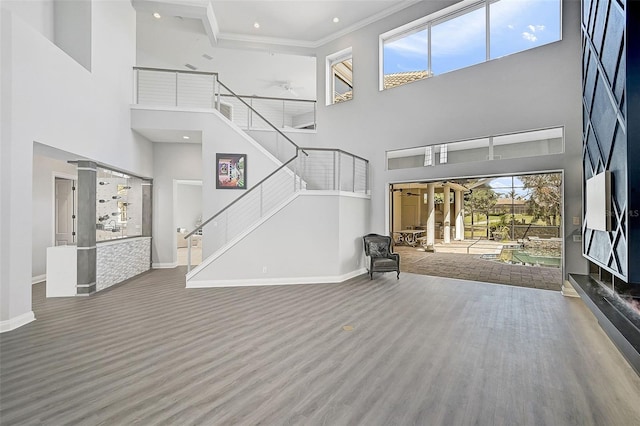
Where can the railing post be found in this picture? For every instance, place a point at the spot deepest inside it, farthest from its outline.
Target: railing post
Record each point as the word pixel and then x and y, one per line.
pixel 189 254
pixel 315 109
pixel 283 106
pixel 250 114
pixel 339 171
pixel 354 175
pixel 136 86
pixel 295 168
pixel 176 88
pixel 261 200
pixel 366 178
pixel 334 174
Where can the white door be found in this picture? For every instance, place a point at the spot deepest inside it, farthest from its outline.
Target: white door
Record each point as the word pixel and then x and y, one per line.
pixel 64 212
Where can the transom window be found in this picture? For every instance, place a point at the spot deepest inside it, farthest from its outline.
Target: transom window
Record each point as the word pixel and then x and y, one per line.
pixel 465 34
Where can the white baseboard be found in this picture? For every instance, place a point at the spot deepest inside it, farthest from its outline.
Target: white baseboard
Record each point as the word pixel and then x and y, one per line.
pixel 249 282
pixel 164 265
pixel 38 279
pixel 19 321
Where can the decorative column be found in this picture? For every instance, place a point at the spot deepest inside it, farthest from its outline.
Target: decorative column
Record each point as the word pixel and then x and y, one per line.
pixel 459 214
pixel 431 216
pixel 86 237
pixel 447 215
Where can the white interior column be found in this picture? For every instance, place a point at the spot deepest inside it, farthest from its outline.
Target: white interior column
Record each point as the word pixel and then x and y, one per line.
pixel 459 214
pixel 447 215
pixel 431 215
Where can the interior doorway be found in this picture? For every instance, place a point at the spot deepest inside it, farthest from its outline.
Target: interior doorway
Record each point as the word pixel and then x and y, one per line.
pixel 502 229
pixel 188 217
pixel 64 211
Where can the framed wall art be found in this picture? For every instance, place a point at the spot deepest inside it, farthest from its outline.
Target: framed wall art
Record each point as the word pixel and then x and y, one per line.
pixel 231 171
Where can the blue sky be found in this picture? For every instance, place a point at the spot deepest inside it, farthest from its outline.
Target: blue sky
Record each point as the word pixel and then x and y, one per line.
pixel 516 25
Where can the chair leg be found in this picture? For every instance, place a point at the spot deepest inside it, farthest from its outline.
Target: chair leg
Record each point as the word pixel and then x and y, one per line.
pixel 398 277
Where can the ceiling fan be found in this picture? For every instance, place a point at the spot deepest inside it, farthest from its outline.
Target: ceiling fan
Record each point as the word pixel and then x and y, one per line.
pixel 287 87
pixel 408 194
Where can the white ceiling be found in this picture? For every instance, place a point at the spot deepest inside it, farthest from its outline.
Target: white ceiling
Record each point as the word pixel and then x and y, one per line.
pixel 306 23
pixel 256 64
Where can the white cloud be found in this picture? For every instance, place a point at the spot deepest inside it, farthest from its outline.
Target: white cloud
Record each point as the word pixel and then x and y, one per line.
pixel 529 37
pixel 534 28
pixel 510 26
pixel 415 44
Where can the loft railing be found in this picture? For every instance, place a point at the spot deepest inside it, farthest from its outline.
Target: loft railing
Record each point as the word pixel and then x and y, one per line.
pixel 199 89
pixel 316 169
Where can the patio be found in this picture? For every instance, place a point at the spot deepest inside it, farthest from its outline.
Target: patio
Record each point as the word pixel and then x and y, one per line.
pixel 463 260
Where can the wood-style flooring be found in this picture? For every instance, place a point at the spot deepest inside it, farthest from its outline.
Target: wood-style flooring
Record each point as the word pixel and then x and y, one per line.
pixel 422 351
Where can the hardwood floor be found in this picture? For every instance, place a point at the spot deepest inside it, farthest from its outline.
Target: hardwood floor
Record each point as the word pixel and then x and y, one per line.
pixel 423 351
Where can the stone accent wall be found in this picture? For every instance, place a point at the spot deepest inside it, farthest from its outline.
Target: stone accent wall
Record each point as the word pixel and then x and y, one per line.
pixel 121 260
pixel 543 247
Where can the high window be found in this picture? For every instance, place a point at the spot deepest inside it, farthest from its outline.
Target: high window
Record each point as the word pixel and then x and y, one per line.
pixel 465 34
pixel 339 77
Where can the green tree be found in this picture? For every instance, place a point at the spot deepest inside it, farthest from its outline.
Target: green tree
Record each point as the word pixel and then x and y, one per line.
pixel 482 200
pixel 545 196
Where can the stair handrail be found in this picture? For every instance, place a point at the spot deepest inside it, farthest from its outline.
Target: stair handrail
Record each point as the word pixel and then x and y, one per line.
pixel 262 117
pixel 257 185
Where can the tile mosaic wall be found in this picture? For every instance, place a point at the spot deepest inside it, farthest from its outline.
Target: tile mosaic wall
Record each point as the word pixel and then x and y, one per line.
pixel 122 260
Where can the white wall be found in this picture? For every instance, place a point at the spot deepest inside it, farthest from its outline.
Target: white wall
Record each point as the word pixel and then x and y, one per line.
pixel 530 90
pixel 218 136
pixel 38 14
pixel 48 97
pixel 315 238
pixel 43 209
pixel 189 205
pixel 172 161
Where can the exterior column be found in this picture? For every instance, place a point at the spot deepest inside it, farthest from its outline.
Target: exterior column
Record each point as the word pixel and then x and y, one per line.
pixel 86 237
pixel 447 215
pixel 459 214
pixel 431 216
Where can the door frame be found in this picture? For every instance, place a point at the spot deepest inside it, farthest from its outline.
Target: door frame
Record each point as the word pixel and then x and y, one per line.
pixel 388 202
pixel 60 175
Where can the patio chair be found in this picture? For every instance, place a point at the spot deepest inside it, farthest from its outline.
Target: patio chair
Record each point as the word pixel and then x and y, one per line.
pixel 382 259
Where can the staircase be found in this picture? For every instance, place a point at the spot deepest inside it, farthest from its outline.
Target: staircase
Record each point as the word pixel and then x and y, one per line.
pixel 298 171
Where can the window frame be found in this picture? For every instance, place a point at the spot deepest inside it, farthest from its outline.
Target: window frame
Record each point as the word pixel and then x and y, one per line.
pixel 331 61
pixel 451 12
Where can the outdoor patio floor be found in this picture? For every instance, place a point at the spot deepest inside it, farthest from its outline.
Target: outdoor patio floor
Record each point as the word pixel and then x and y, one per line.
pixel 473 267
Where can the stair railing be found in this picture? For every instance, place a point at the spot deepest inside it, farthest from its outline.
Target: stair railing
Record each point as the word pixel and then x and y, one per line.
pixel 317 169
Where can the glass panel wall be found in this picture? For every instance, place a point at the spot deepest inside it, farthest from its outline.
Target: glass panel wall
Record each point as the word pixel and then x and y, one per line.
pixel 119 205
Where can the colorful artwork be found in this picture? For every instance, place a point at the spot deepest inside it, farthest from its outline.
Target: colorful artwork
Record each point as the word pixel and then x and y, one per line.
pixel 232 171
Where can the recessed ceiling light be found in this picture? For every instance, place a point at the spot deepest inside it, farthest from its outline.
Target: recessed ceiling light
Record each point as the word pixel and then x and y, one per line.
pixel 185 137
pixel 157 15
pixel 336 20
pixel 256 25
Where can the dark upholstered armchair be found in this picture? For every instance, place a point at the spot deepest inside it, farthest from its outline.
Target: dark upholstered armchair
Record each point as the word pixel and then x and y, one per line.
pixel 378 248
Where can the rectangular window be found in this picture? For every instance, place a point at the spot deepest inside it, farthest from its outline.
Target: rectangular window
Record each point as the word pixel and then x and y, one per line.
pixel 465 34
pixel 406 58
pixel 518 25
pixel 428 156
pixel 443 153
pixel 339 77
pixel 459 41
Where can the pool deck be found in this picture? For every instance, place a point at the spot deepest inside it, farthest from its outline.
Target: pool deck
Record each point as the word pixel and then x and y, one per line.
pixel 463 260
